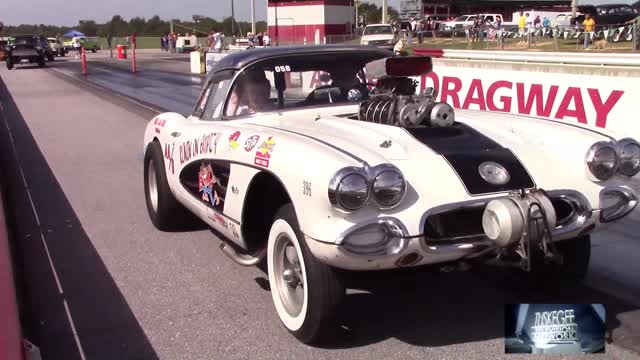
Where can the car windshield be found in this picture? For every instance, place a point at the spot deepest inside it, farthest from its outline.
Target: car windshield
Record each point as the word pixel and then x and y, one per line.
pixel 378 30
pixel 321 79
pixel 461 18
pixel 52 41
pixel 23 39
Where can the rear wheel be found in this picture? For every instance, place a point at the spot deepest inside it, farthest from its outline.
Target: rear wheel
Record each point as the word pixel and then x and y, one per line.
pixel 41 61
pixel 165 212
pixel 94 49
pixel 306 293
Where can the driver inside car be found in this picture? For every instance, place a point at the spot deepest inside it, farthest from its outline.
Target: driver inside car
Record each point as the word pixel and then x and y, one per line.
pixel 251 94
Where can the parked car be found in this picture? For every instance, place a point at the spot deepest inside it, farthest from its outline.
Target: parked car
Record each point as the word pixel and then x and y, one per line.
pixel 460 22
pixel 23 48
pixel 379 35
pixel 614 14
pixel 296 158
pixel 89 43
pixel 56 46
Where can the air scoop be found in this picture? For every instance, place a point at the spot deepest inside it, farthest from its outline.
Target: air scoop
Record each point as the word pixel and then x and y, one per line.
pixel 394 101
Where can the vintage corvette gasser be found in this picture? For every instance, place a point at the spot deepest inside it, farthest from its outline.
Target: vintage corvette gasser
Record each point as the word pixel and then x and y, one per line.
pixel 325 158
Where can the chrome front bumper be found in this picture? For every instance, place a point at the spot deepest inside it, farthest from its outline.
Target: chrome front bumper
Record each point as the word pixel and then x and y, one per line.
pixel 422 250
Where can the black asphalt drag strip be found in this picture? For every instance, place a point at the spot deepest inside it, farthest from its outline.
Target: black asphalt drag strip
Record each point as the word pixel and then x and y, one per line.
pixel 104 324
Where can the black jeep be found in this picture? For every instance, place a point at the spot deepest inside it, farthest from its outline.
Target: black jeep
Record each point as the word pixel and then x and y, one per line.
pixel 25 47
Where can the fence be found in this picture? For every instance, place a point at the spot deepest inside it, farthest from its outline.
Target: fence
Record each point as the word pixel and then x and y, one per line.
pixel 622 37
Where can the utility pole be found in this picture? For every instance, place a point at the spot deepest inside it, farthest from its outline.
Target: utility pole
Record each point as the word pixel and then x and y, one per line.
pixel 233 20
pixel 355 2
pixel 574 5
pixel 253 17
pixel 384 11
pixel 171 27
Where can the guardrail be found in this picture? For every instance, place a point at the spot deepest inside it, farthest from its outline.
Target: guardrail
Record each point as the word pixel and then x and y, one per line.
pixel 627 60
pixel 10 330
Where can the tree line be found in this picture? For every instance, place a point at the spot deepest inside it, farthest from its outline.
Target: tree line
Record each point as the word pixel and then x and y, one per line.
pixel 154 26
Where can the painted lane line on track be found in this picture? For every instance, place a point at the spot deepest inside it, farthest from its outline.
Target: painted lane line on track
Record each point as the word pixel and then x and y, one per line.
pixel 42 237
pixel 102 88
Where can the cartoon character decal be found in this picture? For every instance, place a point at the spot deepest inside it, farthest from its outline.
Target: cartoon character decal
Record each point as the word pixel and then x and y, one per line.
pixel 233 140
pixel 264 152
pixel 206 181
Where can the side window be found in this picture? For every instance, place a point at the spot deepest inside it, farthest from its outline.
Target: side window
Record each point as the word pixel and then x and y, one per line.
pixel 209 105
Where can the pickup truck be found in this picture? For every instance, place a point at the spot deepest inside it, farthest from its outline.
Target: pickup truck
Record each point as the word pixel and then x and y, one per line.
pixel 464 21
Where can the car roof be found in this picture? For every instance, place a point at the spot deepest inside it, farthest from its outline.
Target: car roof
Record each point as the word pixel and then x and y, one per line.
pixel 608 6
pixel 239 60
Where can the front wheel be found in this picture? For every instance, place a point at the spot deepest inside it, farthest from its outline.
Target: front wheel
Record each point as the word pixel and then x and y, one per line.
pixel 306 293
pixel 9 63
pixel 41 61
pixel 165 212
pixel 50 57
pixel 94 50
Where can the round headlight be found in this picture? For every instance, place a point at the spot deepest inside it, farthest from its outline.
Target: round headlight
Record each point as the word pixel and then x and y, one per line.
pixel 389 188
pixel 629 157
pixel 602 160
pixel 38 48
pixel 349 189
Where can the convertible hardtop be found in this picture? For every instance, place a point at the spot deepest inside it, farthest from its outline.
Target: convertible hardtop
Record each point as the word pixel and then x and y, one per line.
pixel 239 60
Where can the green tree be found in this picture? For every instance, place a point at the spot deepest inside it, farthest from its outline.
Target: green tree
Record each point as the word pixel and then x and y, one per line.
pixel 137 25
pixel 88 27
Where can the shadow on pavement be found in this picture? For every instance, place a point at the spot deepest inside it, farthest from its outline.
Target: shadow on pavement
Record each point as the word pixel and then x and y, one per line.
pixel 105 324
pixel 425 307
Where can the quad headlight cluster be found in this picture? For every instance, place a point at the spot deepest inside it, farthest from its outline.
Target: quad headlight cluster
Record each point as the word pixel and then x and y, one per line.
pixel 605 159
pixel 352 188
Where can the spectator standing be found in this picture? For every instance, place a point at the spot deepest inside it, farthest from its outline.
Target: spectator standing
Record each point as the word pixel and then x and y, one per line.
pixel 174 41
pixel 162 43
pixel 133 40
pixel 546 23
pixel 589 25
pixel 522 23
pixel 217 40
pixel 636 35
pixel 420 30
pixel 77 45
pixel 260 39
pixel 266 39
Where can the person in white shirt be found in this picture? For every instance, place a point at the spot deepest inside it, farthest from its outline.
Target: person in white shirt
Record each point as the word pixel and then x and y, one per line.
pixel 217 39
pixel 77 45
pixel 266 39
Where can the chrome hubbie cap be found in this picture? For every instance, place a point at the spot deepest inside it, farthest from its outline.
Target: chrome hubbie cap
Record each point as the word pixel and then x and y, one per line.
pixel 153 185
pixel 289 277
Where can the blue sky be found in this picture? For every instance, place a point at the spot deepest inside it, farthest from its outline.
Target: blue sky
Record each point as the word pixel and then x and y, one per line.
pixel 66 12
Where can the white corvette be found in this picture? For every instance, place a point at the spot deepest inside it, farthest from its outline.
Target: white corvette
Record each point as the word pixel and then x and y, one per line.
pixel 294 156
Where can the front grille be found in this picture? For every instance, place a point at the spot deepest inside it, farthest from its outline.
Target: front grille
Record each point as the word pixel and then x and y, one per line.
pixel 463 222
pixel 24 52
pixel 378 42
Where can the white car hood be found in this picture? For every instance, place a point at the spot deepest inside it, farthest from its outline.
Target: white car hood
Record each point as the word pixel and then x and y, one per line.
pixel 536 144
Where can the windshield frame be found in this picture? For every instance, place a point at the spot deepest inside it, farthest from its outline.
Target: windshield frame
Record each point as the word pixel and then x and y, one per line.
pixel 240 72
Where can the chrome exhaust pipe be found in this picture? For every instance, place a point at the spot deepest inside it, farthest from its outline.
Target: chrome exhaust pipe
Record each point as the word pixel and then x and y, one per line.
pixel 243 259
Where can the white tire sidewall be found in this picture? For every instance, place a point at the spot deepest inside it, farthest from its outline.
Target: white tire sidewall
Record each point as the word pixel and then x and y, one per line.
pixel 281 226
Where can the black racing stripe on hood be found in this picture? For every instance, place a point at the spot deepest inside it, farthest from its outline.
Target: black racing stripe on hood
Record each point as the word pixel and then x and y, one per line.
pixel 465 149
